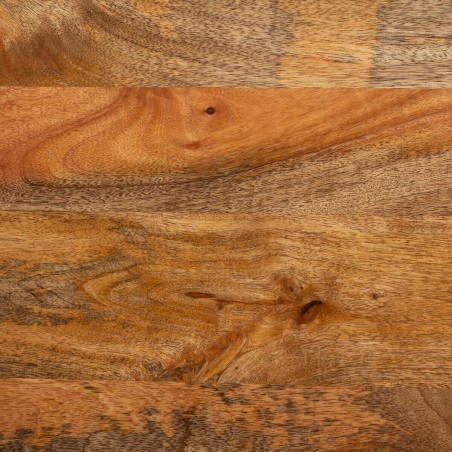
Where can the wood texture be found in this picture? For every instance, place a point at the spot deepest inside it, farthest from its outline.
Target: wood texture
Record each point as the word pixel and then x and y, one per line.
pixel 226 298
pixel 165 252
pixel 390 43
pixel 298 151
pixel 141 416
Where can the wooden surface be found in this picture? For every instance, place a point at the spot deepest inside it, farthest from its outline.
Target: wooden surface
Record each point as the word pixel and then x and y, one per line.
pixel 190 263
pixel 365 43
pixel 143 416
pixel 165 251
pixel 226 298
pixel 299 151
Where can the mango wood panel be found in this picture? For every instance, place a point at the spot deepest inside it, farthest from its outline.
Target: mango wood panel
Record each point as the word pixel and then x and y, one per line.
pixel 142 416
pixel 303 151
pixel 363 43
pixel 411 34
pixel 226 298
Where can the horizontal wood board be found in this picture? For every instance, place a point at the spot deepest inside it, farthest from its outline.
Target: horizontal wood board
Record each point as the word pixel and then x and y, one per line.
pixel 142 416
pixel 300 151
pixel 257 43
pixel 226 298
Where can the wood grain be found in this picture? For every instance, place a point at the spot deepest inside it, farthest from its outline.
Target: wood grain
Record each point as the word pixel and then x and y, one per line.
pixel 226 298
pixel 300 151
pixel 329 43
pixel 142 416
pixel 411 34
pixel 166 252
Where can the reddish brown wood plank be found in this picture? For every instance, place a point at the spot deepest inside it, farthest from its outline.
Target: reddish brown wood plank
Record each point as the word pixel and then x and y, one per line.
pixel 299 151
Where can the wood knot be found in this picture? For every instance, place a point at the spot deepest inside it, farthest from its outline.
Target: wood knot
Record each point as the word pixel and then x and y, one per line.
pixel 310 311
pixel 210 110
pixel 290 288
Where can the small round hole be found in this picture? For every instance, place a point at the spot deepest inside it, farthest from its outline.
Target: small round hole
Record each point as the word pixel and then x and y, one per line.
pixel 210 111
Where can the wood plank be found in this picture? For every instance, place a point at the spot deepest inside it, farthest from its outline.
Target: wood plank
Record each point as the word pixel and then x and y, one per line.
pixel 408 34
pixel 299 151
pixel 226 298
pixel 142 416
pixel 405 43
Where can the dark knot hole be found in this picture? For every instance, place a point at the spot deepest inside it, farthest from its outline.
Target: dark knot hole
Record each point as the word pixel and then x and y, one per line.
pixel 310 311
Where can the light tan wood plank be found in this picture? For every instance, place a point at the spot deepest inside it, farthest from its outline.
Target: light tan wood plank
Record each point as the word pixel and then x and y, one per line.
pixel 404 43
pixel 411 35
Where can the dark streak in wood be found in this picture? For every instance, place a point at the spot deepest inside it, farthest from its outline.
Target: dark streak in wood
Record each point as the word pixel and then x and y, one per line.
pixel 166 416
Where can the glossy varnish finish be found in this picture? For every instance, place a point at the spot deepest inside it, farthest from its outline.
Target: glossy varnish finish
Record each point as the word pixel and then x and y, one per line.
pixel 332 43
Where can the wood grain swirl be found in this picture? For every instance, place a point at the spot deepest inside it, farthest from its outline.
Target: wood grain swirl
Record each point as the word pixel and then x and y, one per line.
pixel 226 298
pixel 266 43
pixel 303 151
